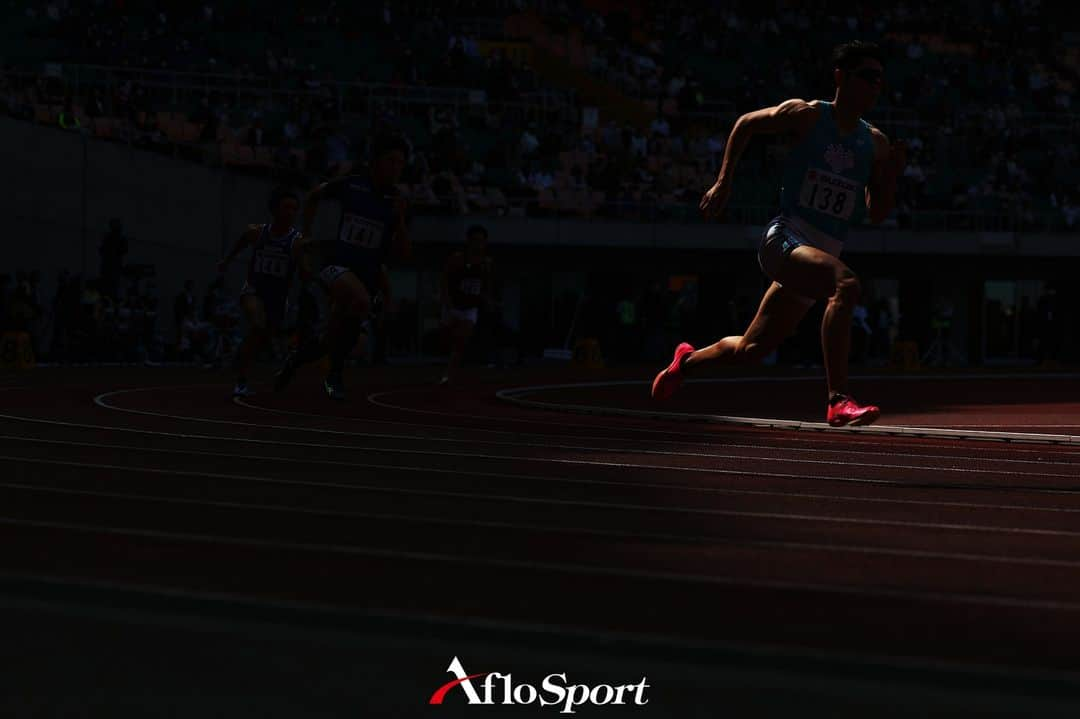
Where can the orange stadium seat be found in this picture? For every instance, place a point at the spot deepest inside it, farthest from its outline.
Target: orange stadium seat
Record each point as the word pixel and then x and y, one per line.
pixel 106 127
pixel 44 114
pixel 189 131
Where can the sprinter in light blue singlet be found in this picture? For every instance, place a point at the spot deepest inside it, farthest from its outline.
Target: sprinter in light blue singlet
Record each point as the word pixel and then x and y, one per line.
pixel 825 180
pixel 840 171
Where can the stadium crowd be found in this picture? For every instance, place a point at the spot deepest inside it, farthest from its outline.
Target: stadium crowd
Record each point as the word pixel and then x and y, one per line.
pixel 987 112
pixel 561 109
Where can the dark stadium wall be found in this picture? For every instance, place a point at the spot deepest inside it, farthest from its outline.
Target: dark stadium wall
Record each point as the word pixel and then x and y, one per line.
pixel 177 215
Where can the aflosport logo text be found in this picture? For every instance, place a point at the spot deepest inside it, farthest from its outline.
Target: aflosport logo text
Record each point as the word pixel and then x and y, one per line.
pixel 554 691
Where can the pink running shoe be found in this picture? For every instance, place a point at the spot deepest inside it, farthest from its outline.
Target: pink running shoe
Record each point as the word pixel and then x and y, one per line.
pixel 668 381
pixel 846 411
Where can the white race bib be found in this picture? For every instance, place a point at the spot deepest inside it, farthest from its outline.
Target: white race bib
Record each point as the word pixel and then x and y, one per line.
pixel 361 232
pixel 273 265
pixel 833 195
pixel 471 287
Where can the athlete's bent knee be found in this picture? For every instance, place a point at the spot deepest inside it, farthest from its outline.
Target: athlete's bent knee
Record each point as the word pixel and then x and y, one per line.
pixel 847 290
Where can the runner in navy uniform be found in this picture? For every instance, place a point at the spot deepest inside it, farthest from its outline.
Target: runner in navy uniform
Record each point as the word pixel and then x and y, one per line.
pixel 466 289
pixel 276 248
pixel 370 232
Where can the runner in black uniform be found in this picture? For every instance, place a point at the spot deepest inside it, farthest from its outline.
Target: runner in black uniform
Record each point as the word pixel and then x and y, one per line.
pixel 370 232
pixel 466 289
pixel 275 247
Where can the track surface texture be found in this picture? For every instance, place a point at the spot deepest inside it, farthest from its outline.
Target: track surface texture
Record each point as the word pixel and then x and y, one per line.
pixel 168 551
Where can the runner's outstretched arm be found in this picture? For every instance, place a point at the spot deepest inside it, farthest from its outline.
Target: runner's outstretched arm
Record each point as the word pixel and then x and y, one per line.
pixel 791 116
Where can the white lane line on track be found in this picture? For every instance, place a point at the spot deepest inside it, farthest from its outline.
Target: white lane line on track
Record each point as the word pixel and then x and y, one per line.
pixel 839 436
pixel 671 486
pixel 977 426
pixel 776 457
pixel 696 539
pixel 857 480
pixel 562 567
pixel 699 444
pixel 101 401
pixel 676 643
pixel 716 455
pixel 516 396
pixel 513 499
pixel 864 441
pixel 551 460
pixel 796 477
pixel 98 400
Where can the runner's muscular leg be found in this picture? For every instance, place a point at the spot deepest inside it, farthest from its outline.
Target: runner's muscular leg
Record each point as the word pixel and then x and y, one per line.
pixel 777 316
pixel 819 275
pixel 255 314
pixel 352 304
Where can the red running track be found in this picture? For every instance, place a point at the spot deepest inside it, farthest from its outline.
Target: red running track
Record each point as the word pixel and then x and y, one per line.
pixel 412 500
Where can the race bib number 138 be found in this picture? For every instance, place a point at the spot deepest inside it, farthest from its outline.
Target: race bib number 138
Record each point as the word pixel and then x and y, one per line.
pixel 831 194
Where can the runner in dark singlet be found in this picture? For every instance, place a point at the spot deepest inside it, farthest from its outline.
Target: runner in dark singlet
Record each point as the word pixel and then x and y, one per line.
pixel 466 289
pixel 276 247
pixel 371 231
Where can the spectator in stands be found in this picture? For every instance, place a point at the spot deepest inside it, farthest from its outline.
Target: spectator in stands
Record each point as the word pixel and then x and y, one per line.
pixel 292 130
pixel 183 308
pixel 63 318
pixel 89 322
pixel 114 246
pixel 22 308
pixel 1015 76
pixel 337 154
pixel 95 106
pixel 1070 212
pixel 5 301
pixel 68 119
pixel 529 143
pixel 256 136
pixel 208 118
pixel 220 321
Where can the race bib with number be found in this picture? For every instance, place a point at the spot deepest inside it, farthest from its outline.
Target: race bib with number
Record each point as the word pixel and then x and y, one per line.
pixel 831 194
pixel 361 232
pixel 471 287
pixel 272 265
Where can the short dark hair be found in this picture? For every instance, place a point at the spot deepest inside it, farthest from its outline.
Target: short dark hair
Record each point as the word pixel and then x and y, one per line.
pixel 281 193
pixel 474 229
pixel 849 55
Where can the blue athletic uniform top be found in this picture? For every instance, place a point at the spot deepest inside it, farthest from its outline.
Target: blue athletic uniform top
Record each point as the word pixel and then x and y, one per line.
pixel 364 230
pixel 272 264
pixel 825 176
pixel 466 283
